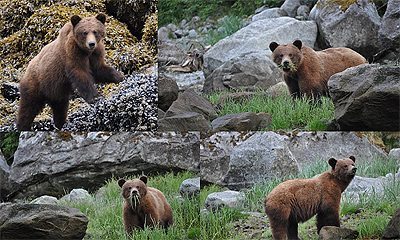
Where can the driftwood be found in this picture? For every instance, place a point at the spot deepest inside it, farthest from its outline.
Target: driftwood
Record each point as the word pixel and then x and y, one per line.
pixel 193 61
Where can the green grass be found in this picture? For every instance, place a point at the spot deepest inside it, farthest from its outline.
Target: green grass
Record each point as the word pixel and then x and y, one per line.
pixel 369 216
pixel 229 26
pixel 105 213
pixel 286 113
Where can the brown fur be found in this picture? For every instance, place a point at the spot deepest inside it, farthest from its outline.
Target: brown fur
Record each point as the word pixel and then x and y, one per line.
pixel 75 60
pixel 312 69
pixel 298 200
pixel 153 209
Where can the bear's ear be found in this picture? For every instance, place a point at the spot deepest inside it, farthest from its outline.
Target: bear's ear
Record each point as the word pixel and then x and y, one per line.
pixel 121 182
pixel 353 158
pixel 332 162
pixel 75 20
pixel 298 44
pixel 101 17
pixel 144 179
pixel 273 46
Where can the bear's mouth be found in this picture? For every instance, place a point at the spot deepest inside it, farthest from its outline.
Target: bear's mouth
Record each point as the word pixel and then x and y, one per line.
pixel 288 67
pixel 134 201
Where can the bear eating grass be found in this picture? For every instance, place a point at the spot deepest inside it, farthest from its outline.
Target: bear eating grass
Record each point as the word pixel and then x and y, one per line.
pixel 75 60
pixel 144 206
pixel 298 200
pixel 306 72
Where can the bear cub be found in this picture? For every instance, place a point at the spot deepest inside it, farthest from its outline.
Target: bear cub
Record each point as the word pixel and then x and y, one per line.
pixel 306 72
pixel 298 200
pixel 75 60
pixel 144 206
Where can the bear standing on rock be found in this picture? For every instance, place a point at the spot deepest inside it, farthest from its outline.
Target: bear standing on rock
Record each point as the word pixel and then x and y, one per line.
pixel 144 206
pixel 298 200
pixel 75 60
pixel 306 72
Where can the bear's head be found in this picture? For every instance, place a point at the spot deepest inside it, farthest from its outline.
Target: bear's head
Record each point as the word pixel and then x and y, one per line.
pixel 134 190
pixel 89 31
pixel 288 57
pixel 343 169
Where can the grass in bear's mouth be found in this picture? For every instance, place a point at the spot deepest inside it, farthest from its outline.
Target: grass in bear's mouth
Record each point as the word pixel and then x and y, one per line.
pixel 286 113
pixel 105 212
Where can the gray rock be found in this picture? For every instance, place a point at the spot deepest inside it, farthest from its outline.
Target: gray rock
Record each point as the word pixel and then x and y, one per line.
pixel 179 33
pixel 279 89
pixel 193 80
pixel 238 160
pixel 367 97
pixel 392 230
pixel 261 9
pixel 219 200
pixel 247 121
pixel 334 233
pixel 303 11
pixel 170 52
pixel 395 153
pixel 172 27
pixel 167 92
pixel 389 33
pixel 4 174
pixel 183 23
pixel 192 33
pixel 256 37
pixel 189 101
pixel 45 200
pixel 47 163
pixel 290 7
pixel 160 113
pixel 311 147
pixel 269 13
pixel 77 195
pixel 41 221
pixel 190 187
pixel 163 34
pixel 250 71
pixel 356 28
pixel 183 122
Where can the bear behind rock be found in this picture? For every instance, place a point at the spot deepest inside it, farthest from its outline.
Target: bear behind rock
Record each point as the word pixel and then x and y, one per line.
pixel 75 60
pixel 298 200
pixel 306 72
pixel 144 206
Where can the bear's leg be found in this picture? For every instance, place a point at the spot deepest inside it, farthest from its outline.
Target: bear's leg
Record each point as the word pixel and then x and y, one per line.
pixel 328 217
pixel 107 74
pixel 293 86
pixel 293 230
pixel 279 227
pixel 60 110
pixel 28 109
pixel 83 81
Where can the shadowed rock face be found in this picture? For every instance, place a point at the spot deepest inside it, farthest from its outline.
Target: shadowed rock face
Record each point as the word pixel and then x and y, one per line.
pixel 47 163
pixel 392 230
pixel 41 221
pixel 367 97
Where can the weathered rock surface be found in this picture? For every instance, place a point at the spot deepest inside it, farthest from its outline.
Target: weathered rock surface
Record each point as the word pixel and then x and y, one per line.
pixel 269 13
pixel 77 195
pixel 49 163
pixel 167 92
pixel 246 121
pixel 290 7
pixel 355 27
pixel 239 160
pixel 367 97
pixel 392 230
pixel 251 71
pixel 395 153
pixel 334 233
pixel 183 122
pixel 389 33
pixel 218 200
pixel 190 187
pixel 193 80
pixel 45 200
pixel 256 37
pixel 41 221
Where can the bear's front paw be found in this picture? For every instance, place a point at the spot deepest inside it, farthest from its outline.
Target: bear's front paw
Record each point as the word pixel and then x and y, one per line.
pixel 91 98
pixel 118 77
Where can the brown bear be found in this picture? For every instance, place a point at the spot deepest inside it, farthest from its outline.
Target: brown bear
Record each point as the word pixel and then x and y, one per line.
pixel 298 200
pixel 75 60
pixel 144 206
pixel 306 72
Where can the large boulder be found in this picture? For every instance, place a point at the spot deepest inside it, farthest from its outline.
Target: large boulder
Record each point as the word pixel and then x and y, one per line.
pixel 4 174
pixel 189 101
pixel 333 233
pixel 269 13
pixel 290 7
pixel 367 97
pixel 167 92
pixel 389 33
pixel 256 37
pixel 192 80
pixel 48 163
pixel 392 230
pixel 354 26
pixel 183 122
pixel 251 71
pixel 41 221
pixel 246 121
pixel 218 200
pixel 239 160
pixel 190 187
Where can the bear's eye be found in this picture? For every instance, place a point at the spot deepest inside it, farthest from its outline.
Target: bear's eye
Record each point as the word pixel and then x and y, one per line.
pixel 290 55
pixel 129 188
pixel 94 32
pixel 281 55
pixel 85 33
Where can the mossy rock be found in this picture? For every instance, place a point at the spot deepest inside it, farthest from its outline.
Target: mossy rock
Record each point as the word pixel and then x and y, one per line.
pixel 150 32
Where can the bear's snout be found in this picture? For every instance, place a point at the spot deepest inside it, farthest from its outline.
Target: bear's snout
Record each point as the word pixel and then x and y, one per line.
pixel 134 192
pixel 92 45
pixel 354 170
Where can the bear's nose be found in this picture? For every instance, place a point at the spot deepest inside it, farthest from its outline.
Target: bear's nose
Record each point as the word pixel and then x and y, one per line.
pixel 92 44
pixel 134 191
pixel 286 62
pixel 354 170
